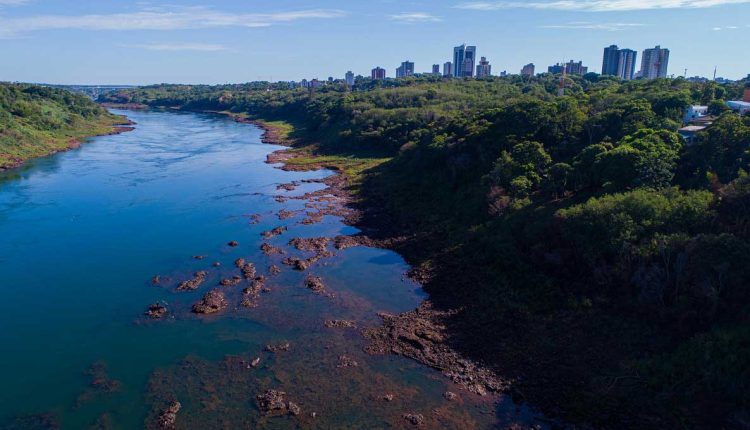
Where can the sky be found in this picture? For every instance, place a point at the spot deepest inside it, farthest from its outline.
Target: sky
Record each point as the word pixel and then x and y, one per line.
pixel 231 41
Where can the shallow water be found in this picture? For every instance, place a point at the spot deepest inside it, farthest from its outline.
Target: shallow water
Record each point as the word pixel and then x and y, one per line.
pixel 83 232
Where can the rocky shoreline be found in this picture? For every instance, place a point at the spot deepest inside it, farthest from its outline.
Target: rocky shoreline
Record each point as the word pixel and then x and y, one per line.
pixel 421 334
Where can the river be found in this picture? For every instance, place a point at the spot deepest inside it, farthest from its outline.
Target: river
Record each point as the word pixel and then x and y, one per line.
pixel 82 234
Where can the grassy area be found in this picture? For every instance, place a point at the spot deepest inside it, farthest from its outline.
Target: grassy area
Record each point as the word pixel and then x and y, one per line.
pixel 37 121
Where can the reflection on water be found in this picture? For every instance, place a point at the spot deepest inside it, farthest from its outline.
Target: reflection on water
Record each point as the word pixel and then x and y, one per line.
pixel 84 232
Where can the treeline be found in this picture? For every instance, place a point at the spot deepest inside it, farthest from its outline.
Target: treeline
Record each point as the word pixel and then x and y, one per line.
pixel 597 257
pixel 37 120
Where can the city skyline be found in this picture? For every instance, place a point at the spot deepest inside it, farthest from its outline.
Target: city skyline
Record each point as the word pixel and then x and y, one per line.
pixel 185 41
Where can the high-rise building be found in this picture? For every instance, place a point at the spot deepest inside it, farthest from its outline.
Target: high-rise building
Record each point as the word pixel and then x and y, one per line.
pixel 626 64
pixel 556 69
pixel 484 68
pixel 570 68
pixel 436 69
pixel 349 78
pixel 619 62
pixel 611 60
pixel 654 63
pixel 573 68
pixel 528 70
pixel 406 69
pixel 448 69
pixel 378 73
pixel 464 58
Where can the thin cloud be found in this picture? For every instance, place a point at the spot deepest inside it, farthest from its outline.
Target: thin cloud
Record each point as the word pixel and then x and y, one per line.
pixel 415 17
pixel 172 19
pixel 598 5
pixel 606 26
pixel 202 47
pixel 729 27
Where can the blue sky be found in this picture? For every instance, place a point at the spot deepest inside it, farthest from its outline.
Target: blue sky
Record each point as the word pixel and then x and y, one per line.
pixel 196 41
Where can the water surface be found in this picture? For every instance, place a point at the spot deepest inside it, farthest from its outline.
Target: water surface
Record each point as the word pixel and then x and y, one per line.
pixel 83 232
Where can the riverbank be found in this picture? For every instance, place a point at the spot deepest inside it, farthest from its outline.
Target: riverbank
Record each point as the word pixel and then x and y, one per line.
pixel 422 334
pixel 54 145
pixel 39 121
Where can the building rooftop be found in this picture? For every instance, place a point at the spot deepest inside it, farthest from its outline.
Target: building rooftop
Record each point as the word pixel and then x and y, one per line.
pixel 692 128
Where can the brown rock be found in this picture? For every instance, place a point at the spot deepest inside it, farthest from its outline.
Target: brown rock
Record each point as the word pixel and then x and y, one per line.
pixel 315 284
pixel 275 232
pixel 193 284
pixel 340 324
pixel 168 417
pixel 450 396
pixel 274 269
pixel 279 347
pixel 156 280
pixel 212 302
pixel 414 419
pixel 233 244
pixel 269 249
pixel 156 311
pixel 230 282
pixel 346 361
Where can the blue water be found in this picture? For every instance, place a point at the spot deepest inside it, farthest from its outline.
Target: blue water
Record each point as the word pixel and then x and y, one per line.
pixel 83 232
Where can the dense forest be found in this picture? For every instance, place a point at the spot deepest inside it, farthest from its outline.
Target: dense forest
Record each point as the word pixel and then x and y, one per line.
pixel 36 121
pixel 596 258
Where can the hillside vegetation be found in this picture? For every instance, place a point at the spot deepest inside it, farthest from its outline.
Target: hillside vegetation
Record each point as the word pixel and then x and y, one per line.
pixel 597 259
pixel 36 121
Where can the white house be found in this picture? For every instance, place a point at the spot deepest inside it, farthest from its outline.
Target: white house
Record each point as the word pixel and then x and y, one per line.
pixel 695 112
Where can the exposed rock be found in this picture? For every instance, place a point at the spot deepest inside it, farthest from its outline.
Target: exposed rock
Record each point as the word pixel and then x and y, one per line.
pixel 346 361
pixel 255 219
pixel 272 402
pixel 318 245
pixel 217 264
pixel 414 419
pixel 239 263
pixel 248 271
pixel 278 347
pixel 255 362
pixel 193 284
pixel 212 302
pixel 156 311
pixel 199 257
pixel 421 335
pixel 388 397
pixel 340 324
pixel 273 233
pixel 168 417
pixel 285 214
pixel 293 408
pixel 450 396
pixel 315 284
pixel 274 269
pixel 250 299
pixel 233 244
pixel 269 249
pixel 301 264
pixel 156 280
pixel 288 187
pixel 344 242
pixel 230 282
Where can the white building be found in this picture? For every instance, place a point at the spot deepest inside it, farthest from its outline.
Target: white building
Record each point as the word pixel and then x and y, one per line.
pixel 695 112
pixel 654 63
pixel 739 106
